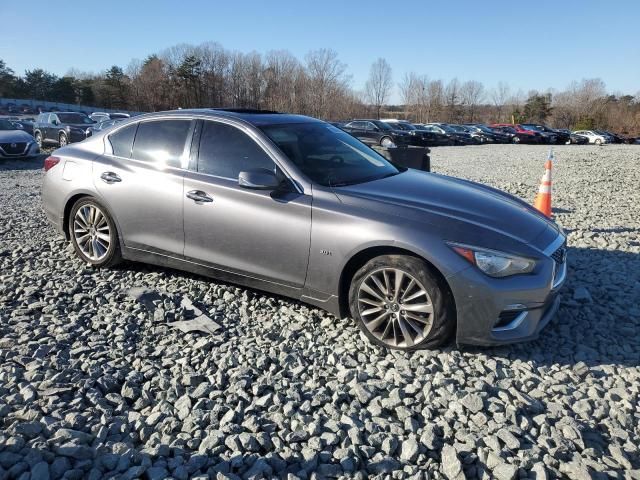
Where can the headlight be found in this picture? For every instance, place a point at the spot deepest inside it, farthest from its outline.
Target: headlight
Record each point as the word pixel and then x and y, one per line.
pixel 494 263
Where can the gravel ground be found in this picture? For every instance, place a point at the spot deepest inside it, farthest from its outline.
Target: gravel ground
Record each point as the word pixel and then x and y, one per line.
pixel 94 384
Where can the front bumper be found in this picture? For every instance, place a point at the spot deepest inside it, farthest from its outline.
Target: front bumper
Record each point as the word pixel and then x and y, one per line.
pixel 497 311
pixel 78 136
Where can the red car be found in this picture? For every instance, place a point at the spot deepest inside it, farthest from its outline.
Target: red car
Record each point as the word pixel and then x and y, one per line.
pixel 519 134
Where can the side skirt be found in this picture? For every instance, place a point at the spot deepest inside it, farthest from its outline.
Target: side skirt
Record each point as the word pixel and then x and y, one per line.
pixel 326 302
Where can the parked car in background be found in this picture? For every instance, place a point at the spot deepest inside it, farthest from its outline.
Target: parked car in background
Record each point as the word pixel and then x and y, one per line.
pixel 578 139
pixel 25 125
pixel 376 132
pixel 62 128
pixel 15 142
pixel 494 135
pixel 437 138
pixel 555 136
pixel 613 138
pixel 594 137
pixel 102 116
pixel 519 134
pixel 297 207
pixel 418 137
pixel 478 137
pixel 455 138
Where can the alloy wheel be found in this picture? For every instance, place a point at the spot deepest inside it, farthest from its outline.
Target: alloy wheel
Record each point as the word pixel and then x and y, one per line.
pixel 386 142
pixel 395 307
pixel 91 232
pixel 39 139
pixel 63 140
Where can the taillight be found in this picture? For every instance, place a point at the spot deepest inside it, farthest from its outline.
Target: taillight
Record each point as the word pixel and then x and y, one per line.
pixel 50 162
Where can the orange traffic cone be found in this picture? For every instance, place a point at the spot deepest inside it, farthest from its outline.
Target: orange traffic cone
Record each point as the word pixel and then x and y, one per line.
pixel 543 199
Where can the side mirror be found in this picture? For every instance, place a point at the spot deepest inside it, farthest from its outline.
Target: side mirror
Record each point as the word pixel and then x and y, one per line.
pixel 259 179
pixel 54 122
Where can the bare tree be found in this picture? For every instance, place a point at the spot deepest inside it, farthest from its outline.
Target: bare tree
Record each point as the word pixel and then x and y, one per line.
pixel 499 96
pixel 378 87
pixel 326 76
pixel 452 100
pixel 472 94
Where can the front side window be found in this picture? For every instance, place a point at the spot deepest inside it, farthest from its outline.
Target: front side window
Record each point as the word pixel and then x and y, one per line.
pixel 122 140
pixel 225 151
pixel 162 142
pixel 327 155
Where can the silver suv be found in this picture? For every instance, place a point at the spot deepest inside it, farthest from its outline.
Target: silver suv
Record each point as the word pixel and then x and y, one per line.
pixel 295 206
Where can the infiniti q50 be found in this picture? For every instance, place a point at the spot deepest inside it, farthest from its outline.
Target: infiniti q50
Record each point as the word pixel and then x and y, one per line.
pixel 295 206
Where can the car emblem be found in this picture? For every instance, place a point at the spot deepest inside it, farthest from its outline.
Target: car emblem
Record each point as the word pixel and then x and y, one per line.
pixel 13 145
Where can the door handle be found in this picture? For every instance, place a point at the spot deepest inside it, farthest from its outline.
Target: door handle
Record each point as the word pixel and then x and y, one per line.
pixel 199 196
pixel 110 177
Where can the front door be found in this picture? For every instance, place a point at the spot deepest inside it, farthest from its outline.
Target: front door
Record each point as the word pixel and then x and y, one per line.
pixel 257 233
pixel 142 183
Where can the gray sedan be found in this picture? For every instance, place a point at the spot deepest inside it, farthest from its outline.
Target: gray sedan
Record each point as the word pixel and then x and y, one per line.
pixel 15 142
pixel 295 206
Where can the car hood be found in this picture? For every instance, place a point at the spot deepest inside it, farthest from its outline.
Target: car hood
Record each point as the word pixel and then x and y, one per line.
pixel 14 136
pixel 432 197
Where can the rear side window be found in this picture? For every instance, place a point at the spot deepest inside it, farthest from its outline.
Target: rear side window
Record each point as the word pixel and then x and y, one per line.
pixel 122 141
pixel 225 151
pixel 161 141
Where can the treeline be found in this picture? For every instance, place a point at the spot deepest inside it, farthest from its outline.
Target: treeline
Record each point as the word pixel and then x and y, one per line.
pixel 319 85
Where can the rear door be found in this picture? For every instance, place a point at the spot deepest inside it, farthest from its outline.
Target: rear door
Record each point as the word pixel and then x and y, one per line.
pixel 256 233
pixel 141 180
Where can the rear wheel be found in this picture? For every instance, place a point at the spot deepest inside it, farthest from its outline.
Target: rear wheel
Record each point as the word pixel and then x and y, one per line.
pixel 38 137
pixel 93 234
pixel 515 140
pixel 62 140
pixel 598 141
pixel 398 303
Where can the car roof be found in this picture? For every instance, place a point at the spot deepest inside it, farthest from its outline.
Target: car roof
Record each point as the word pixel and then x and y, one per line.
pixel 252 116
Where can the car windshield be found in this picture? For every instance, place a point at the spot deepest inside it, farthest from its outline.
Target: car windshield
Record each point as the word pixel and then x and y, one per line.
pixel 508 129
pixel 7 125
pixel 327 155
pixel 534 128
pixel 74 118
pixel 457 128
pixel 447 128
pixel 382 125
pixel 403 126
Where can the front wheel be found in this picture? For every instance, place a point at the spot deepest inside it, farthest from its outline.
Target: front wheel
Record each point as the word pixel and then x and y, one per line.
pixel 386 142
pixel 62 140
pixel 515 140
pixel 598 141
pixel 38 138
pixel 93 234
pixel 399 304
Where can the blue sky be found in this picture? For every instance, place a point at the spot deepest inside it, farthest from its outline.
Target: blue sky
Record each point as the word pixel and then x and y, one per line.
pixel 529 44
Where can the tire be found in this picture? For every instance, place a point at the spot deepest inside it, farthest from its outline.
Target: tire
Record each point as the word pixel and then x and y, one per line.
pixel 397 325
pixel 38 137
pixel 598 141
pixel 515 140
pixel 63 141
pixel 102 248
pixel 386 142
